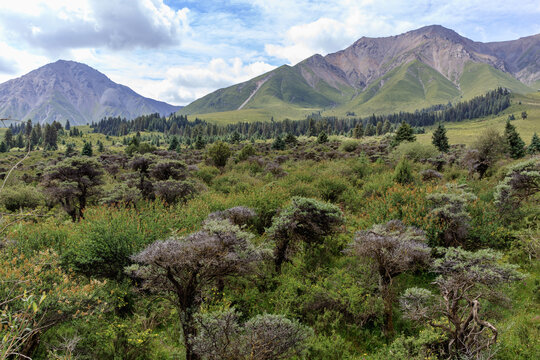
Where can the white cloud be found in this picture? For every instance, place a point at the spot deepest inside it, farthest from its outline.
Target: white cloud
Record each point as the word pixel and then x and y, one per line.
pixel 119 24
pixel 185 84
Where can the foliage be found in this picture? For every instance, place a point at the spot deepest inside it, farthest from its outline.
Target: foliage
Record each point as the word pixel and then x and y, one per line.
pixel 449 208
pixel 87 149
pixel 219 152
pixel 265 337
pixel 247 151
pixel 515 146
pixel 304 220
pixel 534 146
pixel 394 249
pixel 72 182
pixel 440 140
pixel 322 138
pixel 404 133
pixel 185 267
pixel 464 279
pixel 520 183
pixel 485 152
pixel 403 173
pixel 21 197
pixel 414 151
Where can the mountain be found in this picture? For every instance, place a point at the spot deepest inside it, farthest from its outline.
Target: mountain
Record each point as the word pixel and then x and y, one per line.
pixel 428 66
pixel 67 90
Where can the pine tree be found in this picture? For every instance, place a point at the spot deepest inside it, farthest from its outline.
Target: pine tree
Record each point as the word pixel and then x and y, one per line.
pixel 199 143
pixel 358 131
pixel 174 144
pixel 8 138
pixel 291 140
pixel 19 141
pixel 370 130
pixel 235 138
pixel 278 144
pixel 404 133
pixel 386 127
pixel 514 143
pixel 379 129
pixel 68 125
pixel 3 147
pixel 440 140
pixel 50 137
pixel 87 149
pixel 322 138
pixel 534 147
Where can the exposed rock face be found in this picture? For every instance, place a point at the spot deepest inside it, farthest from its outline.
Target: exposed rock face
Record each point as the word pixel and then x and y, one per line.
pixel 67 90
pixel 443 49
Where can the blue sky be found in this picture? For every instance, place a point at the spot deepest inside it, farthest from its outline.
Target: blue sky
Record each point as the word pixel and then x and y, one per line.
pixel 177 51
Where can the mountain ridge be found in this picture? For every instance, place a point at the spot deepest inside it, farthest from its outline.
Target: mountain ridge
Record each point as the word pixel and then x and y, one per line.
pixel 337 81
pixel 69 90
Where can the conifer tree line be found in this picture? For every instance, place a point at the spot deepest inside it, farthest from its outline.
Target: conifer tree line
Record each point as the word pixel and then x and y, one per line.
pixel 178 125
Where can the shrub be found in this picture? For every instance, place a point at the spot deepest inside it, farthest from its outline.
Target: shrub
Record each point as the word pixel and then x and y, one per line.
pixel 247 151
pixel 521 182
pixel 207 174
pixel 219 152
pixel 414 151
pixel 331 188
pixel 403 172
pixel 430 174
pixel 349 145
pixel 172 191
pixel 14 198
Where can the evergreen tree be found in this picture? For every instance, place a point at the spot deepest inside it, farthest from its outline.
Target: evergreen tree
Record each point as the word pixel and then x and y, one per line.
pixel 50 137
pixel 100 145
pixel 379 129
pixel 358 131
pixel 28 128
pixel 8 138
pixel 19 141
pixel 70 150
pixel 174 144
pixel 291 140
pixel 386 127
pixel 515 146
pixel 199 143
pixel 87 149
pixel 235 138
pixel 524 115
pixel 534 147
pixel 68 125
pixel 404 133
pixel 278 143
pixel 3 147
pixel 322 138
pixel 370 130
pixel 312 131
pixel 440 140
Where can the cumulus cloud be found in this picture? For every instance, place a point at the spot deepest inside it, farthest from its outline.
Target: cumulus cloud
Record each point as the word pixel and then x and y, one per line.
pixel 185 84
pixel 119 24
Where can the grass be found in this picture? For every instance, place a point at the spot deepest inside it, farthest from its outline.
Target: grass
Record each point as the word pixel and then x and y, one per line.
pixel 467 132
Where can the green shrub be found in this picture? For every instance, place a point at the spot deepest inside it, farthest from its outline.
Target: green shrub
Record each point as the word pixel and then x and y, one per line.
pixel 247 151
pixel 331 188
pixel 207 174
pixel 414 151
pixel 403 172
pixel 14 198
pixel 219 152
pixel 349 145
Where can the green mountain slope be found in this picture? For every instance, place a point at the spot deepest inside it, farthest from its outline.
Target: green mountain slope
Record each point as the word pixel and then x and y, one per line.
pixel 476 78
pixel 407 88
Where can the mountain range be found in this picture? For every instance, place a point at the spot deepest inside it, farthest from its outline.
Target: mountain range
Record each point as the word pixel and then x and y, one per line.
pixel 428 66
pixel 68 90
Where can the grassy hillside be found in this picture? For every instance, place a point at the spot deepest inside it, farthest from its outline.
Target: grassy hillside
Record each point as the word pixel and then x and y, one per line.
pixel 407 88
pixel 468 131
pixel 478 77
pixel 286 94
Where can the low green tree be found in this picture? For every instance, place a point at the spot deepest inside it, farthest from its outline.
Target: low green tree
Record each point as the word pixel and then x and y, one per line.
pixel 219 152
pixel 514 143
pixel 403 172
pixel 279 143
pixel 87 149
pixel 534 147
pixel 440 140
pixel 322 138
pixel 404 133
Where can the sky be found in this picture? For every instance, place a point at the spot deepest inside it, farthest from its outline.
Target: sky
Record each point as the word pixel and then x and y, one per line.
pixel 177 51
